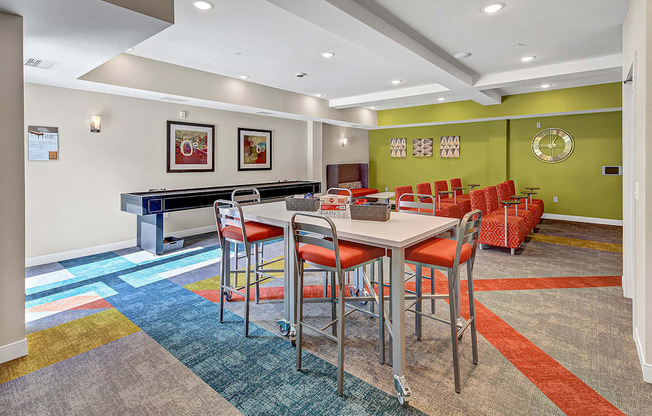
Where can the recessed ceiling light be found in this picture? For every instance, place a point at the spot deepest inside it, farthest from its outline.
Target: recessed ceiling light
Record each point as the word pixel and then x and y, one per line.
pixel 327 54
pixel 396 81
pixel 372 108
pixel 462 55
pixel 440 99
pixel 318 95
pixel 492 8
pixel 202 4
pixel 527 58
pixel 130 49
pixel 546 85
pixel 243 76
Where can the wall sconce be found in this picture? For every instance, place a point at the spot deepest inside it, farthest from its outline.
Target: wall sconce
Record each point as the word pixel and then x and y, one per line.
pixel 343 141
pixel 96 122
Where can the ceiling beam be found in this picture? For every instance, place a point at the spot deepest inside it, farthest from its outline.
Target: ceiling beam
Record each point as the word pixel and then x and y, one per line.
pixel 381 97
pixel 366 22
pixel 580 68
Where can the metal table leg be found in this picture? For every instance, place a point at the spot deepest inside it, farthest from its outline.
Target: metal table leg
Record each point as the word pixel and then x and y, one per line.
pixel 397 283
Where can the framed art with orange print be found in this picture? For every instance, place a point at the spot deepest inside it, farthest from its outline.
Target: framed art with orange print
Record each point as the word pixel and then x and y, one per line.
pixel 190 147
pixel 254 149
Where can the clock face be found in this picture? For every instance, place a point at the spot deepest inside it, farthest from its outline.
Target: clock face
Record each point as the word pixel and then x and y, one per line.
pixel 552 145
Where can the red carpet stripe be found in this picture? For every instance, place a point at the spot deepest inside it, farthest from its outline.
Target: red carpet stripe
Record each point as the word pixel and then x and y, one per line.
pixel 98 304
pixel 481 285
pixel 565 389
pixel 562 387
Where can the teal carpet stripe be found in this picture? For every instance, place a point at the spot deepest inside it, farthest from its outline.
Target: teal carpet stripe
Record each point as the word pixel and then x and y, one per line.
pixel 255 374
pixel 77 267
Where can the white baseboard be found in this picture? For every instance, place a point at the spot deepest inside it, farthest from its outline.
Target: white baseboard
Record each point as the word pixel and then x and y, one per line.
pixel 14 350
pixel 89 251
pixel 575 218
pixel 645 367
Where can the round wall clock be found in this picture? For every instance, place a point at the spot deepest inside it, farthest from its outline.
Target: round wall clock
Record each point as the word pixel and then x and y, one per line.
pixel 552 145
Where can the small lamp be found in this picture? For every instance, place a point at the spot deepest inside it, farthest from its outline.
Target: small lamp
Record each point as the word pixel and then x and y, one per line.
pixel 96 122
pixel 344 141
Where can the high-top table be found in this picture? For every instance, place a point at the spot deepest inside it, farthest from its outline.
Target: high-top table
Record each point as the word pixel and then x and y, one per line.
pixel 400 232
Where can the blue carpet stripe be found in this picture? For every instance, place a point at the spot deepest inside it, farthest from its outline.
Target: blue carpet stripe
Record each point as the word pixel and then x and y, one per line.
pixel 150 275
pixel 256 374
pixel 211 252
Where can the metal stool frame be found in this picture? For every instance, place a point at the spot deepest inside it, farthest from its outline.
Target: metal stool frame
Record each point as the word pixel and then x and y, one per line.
pixel 468 234
pixel 326 236
pixel 251 196
pixel 230 213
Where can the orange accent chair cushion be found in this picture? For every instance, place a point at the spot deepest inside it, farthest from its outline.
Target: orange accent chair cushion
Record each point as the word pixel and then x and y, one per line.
pixel 457 183
pixel 357 193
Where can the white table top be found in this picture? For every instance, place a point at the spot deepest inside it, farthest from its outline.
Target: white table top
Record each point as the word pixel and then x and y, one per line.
pixel 402 230
pixel 381 195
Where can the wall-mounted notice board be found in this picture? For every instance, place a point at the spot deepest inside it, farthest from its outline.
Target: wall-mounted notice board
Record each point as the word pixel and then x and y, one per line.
pixel 42 143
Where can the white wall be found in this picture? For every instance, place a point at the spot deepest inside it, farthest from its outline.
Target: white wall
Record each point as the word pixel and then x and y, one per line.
pixel 355 151
pixel 74 203
pixel 12 191
pixel 636 29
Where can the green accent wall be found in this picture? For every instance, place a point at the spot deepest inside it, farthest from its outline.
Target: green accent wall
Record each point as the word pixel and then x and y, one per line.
pixel 493 151
pixel 578 180
pixel 555 101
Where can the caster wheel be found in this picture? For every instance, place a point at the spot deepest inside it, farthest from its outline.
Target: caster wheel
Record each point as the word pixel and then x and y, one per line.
pixel 364 293
pixel 401 400
pixel 294 343
pixel 228 296
pixel 284 331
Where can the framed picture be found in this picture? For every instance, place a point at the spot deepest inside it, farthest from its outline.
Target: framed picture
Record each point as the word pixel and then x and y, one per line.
pixel 190 147
pixel 254 149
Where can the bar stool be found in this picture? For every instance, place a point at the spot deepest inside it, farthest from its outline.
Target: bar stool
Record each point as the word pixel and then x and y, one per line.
pixel 232 228
pixel 319 246
pixel 251 196
pixel 450 255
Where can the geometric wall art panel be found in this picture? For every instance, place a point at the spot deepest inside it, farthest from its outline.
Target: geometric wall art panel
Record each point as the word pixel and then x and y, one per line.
pixel 422 147
pixel 398 147
pixel 449 146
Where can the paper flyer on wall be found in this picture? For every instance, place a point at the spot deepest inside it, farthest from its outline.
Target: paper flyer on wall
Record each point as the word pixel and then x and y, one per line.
pixel 43 143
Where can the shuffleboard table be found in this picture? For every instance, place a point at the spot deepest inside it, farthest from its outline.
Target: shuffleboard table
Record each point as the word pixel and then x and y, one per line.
pixel 150 206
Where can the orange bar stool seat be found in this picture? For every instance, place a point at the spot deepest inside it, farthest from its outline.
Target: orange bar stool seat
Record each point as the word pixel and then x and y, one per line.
pixel 255 232
pixel 438 252
pixel 351 254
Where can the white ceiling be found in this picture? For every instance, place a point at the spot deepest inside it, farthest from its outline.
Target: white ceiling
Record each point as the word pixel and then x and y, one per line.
pixel 576 42
pixel 554 31
pixel 412 40
pixel 274 46
pixel 78 35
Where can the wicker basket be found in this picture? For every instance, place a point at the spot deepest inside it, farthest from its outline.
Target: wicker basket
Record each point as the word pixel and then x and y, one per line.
pixel 374 212
pixel 301 204
pixel 172 243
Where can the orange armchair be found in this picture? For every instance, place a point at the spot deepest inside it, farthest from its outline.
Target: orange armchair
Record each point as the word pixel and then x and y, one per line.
pixel 450 210
pixel 498 230
pixel 538 202
pixel 494 207
pixel 504 194
pixel 442 195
